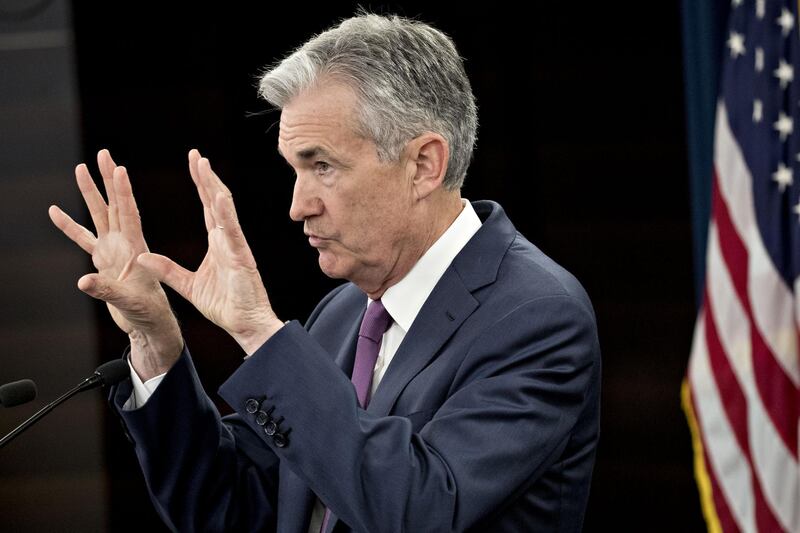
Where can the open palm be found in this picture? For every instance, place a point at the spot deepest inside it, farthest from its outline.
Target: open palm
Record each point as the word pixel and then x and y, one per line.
pixel 134 297
pixel 226 287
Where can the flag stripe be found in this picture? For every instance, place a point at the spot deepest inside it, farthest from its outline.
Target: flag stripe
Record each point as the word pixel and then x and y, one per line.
pixel 769 455
pixel 725 459
pixel 772 382
pixel 735 406
pixel 731 395
pixel 770 297
pixel 715 509
pixel 720 505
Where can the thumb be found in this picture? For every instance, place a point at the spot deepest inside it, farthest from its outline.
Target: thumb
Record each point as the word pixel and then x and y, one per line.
pixel 102 288
pixel 168 272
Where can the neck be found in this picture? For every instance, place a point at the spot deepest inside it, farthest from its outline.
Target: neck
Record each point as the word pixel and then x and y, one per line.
pixel 436 217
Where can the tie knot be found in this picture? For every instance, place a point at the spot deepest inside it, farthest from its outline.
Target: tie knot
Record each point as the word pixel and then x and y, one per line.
pixel 376 321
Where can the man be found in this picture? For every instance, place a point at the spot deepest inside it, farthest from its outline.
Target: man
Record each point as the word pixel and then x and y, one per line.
pixel 451 385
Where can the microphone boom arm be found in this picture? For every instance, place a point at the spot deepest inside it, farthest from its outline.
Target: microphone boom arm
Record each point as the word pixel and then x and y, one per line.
pixel 106 374
pixel 41 412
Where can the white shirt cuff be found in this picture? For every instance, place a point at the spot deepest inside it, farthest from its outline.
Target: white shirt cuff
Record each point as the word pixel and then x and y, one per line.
pixel 141 390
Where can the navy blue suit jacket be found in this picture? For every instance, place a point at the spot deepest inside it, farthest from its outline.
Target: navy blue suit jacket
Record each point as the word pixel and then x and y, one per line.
pixel 486 419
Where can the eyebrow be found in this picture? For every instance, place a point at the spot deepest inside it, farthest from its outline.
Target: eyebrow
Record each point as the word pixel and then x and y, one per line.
pixel 313 152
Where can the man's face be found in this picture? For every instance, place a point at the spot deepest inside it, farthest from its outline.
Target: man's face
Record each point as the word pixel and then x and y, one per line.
pixel 356 209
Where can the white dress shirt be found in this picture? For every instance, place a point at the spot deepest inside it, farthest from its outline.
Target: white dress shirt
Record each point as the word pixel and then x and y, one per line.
pixel 403 300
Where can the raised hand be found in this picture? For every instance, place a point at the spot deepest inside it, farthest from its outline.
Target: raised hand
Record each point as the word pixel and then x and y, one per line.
pixel 134 297
pixel 227 287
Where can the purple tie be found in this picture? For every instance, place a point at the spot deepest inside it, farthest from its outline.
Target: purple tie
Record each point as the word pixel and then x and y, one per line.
pixel 375 323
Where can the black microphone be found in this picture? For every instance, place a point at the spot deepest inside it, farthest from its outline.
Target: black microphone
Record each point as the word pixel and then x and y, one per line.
pixel 17 392
pixel 109 373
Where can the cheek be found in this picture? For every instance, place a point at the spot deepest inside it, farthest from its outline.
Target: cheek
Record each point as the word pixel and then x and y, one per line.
pixel 359 218
pixel 371 216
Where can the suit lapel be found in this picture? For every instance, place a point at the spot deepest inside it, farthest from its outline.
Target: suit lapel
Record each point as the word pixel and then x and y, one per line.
pixel 347 353
pixel 447 307
pixel 450 303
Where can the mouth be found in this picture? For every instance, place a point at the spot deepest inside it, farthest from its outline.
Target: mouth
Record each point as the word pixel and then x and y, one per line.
pixel 315 240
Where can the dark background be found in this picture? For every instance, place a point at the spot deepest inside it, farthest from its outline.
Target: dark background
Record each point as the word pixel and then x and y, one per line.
pixel 581 140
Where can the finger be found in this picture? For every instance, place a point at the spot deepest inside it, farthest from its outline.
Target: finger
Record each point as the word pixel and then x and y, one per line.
pixel 226 216
pixel 98 209
pixel 194 157
pixel 107 166
pixel 130 223
pixel 209 219
pixel 169 272
pixel 212 183
pixel 105 162
pixel 213 186
pixel 74 231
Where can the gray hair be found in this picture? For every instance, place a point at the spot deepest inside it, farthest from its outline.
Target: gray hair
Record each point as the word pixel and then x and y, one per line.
pixel 407 76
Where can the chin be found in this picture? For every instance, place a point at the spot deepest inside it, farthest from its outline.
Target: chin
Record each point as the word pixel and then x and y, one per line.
pixel 331 267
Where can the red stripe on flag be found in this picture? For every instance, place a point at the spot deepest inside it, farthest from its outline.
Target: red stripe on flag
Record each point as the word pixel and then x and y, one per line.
pixel 776 389
pixel 734 402
pixel 723 511
pixel 724 515
pixel 730 391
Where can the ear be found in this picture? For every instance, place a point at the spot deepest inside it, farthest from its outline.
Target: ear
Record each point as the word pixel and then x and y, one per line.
pixel 427 160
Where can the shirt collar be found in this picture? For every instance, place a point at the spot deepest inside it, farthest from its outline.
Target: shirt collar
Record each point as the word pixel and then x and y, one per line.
pixel 404 299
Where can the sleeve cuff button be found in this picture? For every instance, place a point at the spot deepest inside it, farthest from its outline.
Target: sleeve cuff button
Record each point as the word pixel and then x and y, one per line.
pixel 251 405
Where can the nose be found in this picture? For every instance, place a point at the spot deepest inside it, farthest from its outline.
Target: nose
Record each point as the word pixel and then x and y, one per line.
pixel 305 201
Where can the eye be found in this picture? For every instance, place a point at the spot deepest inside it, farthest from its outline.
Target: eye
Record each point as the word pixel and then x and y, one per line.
pixel 322 167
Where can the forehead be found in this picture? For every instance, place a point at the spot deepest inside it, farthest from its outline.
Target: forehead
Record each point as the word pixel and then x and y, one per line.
pixel 324 114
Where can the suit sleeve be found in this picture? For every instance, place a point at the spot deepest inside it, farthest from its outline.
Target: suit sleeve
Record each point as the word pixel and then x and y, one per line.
pixel 204 472
pixel 518 395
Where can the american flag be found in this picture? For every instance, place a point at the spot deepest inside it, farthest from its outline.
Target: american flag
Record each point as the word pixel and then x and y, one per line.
pixel 741 394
